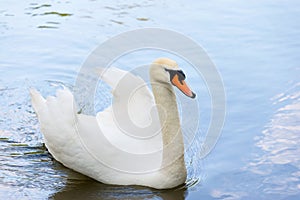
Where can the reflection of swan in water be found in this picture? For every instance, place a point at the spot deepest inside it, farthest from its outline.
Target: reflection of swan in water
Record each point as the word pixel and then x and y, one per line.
pixel 82 187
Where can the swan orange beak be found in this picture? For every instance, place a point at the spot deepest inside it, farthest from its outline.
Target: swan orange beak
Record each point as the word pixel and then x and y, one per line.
pixel 182 86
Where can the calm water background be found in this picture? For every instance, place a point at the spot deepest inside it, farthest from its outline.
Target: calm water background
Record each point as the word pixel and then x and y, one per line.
pixel 255 47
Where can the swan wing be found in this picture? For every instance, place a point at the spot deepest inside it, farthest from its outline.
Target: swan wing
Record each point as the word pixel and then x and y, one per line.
pixel 131 96
pixel 102 146
pixel 79 142
pixel 131 123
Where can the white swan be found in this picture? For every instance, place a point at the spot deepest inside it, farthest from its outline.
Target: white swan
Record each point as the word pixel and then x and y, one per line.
pixel 149 151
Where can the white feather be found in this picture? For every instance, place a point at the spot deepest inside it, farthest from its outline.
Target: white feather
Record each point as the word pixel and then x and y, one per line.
pixel 121 145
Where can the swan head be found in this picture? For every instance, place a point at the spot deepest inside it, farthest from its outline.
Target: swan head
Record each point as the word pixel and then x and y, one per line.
pixel 165 70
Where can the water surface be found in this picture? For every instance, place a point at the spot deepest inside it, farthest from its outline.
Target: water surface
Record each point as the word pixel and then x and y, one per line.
pixel 254 45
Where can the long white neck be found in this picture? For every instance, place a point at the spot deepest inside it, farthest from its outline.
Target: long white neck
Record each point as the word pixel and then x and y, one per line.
pixel 173 145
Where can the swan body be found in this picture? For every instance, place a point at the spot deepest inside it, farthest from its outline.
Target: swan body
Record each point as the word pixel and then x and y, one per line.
pixel 135 141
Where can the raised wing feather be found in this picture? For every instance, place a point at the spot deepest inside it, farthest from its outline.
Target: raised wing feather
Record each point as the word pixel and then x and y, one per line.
pixel 132 99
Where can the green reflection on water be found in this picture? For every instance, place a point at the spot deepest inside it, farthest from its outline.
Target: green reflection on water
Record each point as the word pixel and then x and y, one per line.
pixel 57 13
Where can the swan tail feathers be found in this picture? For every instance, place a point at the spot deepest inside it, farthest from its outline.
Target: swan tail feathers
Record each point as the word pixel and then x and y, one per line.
pixel 57 115
pixel 37 100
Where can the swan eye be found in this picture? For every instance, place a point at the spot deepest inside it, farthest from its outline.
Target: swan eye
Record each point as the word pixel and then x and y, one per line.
pixel 180 73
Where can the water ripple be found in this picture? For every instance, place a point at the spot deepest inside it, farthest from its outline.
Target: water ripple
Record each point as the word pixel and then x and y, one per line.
pixel 280 141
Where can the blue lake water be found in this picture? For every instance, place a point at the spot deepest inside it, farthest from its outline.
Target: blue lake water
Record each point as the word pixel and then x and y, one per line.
pixel 254 45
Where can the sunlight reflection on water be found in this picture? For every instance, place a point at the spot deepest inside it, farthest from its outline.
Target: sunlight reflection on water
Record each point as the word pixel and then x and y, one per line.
pixel 280 144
